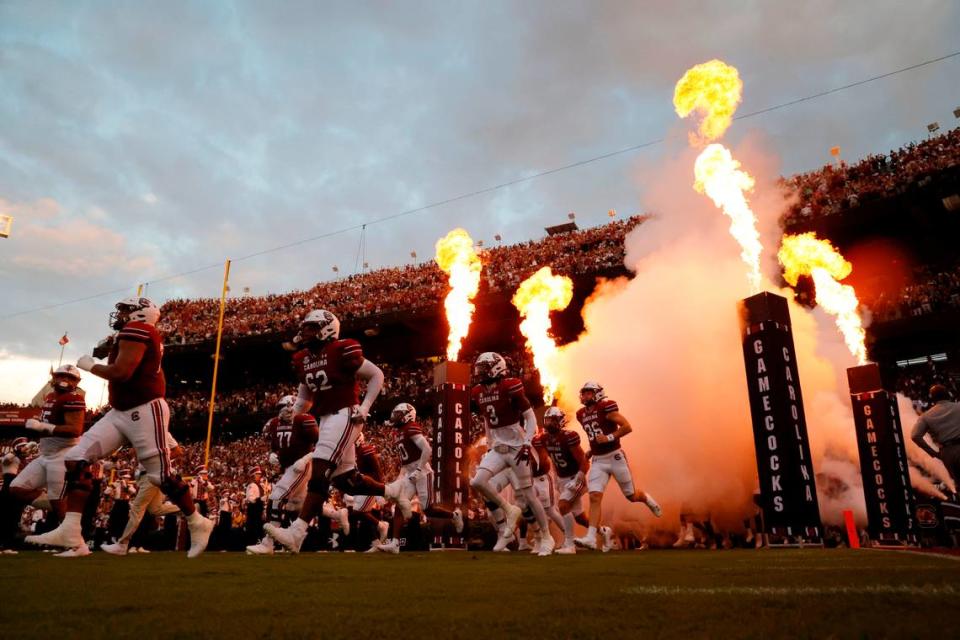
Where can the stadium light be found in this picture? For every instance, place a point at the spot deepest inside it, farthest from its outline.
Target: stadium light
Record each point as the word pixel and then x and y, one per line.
pixel 6 223
pixel 933 127
pixel 612 213
pixel 497 237
pixel 336 269
pixel 956 113
pixel 572 216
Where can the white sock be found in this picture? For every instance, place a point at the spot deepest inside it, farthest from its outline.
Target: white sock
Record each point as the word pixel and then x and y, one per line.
pixel 194 517
pixel 71 520
pixel 592 532
pixel 568 522
pixel 299 525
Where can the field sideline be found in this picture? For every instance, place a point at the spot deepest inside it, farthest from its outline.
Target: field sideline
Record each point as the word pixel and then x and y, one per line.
pixel 671 594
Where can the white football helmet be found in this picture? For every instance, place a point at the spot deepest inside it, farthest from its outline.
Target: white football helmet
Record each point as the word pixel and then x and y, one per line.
pixel 134 310
pixel 489 367
pixel 66 378
pixel 554 419
pixel 285 408
pixel 327 326
pixel 403 413
pixel 590 386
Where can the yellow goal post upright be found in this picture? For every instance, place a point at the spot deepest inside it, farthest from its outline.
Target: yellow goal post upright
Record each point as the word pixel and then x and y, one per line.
pixel 216 362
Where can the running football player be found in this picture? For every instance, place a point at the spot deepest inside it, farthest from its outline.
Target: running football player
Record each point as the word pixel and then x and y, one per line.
pixel 329 369
pixel 139 417
pixel 416 475
pixel 604 425
pixel 570 463
pixel 510 425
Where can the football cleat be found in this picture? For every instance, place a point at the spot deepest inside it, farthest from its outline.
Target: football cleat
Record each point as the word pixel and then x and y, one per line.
pixel 391 546
pixel 607 534
pixel 78 552
pixel 512 514
pixel 67 535
pixel 263 548
pixel 506 537
pixel 590 542
pixel 9 552
pixel 116 549
pixel 292 539
pixel 566 549
pixel 200 530
pixel 546 546
pixel 458 520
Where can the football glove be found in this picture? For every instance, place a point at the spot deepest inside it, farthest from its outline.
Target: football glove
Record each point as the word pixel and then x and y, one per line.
pixel 523 455
pixel 86 363
pixel 41 427
pixel 273 459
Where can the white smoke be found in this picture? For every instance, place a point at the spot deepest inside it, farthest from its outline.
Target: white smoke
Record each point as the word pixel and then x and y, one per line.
pixel 666 345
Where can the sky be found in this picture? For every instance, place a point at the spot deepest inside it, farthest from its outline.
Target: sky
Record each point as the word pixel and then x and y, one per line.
pixel 140 140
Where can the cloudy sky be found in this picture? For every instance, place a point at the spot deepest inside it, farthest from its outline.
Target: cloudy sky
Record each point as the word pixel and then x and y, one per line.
pixel 139 140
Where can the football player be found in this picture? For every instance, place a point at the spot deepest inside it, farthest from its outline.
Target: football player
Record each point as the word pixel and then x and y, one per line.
pixel 570 464
pixel 543 487
pixel 416 476
pixel 139 417
pixel 510 425
pixel 604 425
pixel 367 507
pixel 292 438
pixel 329 369
pixel 59 428
pixel 148 499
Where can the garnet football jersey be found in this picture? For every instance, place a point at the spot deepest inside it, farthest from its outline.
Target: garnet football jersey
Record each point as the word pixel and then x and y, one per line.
pixel 147 382
pixel 331 374
pixel 407 448
pixel 292 441
pixel 501 406
pixel 55 405
pixel 595 420
pixel 560 448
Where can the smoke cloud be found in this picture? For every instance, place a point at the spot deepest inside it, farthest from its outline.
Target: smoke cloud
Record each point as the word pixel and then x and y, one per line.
pixel 666 346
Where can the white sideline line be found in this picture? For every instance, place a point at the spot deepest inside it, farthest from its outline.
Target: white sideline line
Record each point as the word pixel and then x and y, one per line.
pixel 911 590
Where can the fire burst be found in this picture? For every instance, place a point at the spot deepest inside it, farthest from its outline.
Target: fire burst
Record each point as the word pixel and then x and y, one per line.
pixel 805 254
pixel 457 258
pixel 714 88
pixel 535 298
pixel 719 176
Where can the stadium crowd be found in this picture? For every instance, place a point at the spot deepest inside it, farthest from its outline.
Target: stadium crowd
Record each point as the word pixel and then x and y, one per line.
pixel 833 189
pixel 932 292
pixel 397 289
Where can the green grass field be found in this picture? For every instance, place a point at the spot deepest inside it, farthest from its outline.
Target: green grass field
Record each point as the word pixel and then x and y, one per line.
pixel 680 594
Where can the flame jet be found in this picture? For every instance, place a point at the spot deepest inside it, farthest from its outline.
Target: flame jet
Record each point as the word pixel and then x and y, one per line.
pixel 805 254
pixel 535 298
pixel 458 259
pixel 714 88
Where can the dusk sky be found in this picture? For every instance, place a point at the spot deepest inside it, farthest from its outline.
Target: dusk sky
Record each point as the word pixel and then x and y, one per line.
pixel 139 140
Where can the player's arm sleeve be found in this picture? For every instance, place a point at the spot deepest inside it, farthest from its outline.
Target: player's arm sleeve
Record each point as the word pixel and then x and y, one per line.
pixel 304 399
pixel 425 450
pixel 529 425
pixel 374 378
pixel 311 430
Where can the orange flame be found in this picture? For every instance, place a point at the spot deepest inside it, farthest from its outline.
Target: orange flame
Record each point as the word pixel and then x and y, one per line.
pixel 457 258
pixel 719 176
pixel 714 89
pixel 535 298
pixel 805 254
